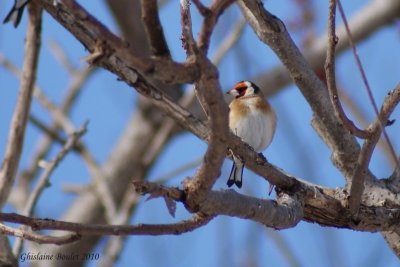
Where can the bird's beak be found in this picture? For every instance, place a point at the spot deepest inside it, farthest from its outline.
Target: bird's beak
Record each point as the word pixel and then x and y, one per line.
pixel 233 92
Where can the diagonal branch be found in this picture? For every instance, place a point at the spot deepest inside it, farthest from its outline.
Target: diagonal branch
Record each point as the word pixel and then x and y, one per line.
pixel 155 33
pixel 375 130
pixel 272 32
pixel 109 50
pixel 211 16
pixel 365 81
pixel 44 180
pixel 21 113
pixel 370 19
pixel 330 75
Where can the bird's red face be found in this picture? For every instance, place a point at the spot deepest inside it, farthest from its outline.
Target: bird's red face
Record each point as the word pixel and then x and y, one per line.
pixel 243 88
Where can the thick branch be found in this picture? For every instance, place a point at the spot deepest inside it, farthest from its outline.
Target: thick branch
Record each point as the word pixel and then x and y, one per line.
pixel 284 213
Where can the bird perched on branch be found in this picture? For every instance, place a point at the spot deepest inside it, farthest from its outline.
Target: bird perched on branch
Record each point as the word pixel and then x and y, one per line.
pixel 16 11
pixel 251 118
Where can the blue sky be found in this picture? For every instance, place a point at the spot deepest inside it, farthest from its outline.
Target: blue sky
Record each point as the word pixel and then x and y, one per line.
pixel 297 149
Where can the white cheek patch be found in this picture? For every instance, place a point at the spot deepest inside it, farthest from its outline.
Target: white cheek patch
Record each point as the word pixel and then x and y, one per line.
pixel 249 91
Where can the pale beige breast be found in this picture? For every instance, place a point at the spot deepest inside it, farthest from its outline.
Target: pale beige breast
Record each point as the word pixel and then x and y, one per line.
pixel 253 120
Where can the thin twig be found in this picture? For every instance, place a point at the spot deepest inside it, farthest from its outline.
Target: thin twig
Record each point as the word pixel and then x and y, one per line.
pixel 105 229
pixel 211 16
pixel 73 91
pixel 187 166
pixel 62 120
pixel 330 75
pixel 188 42
pixel 115 244
pixel 101 184
pixel 24 234
pixel 44 180
pixel 20 117
pixel 61 56
pixel 54 111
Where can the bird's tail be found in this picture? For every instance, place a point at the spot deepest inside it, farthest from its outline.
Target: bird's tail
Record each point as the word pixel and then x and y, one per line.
pixel 236 173
pixel 14 15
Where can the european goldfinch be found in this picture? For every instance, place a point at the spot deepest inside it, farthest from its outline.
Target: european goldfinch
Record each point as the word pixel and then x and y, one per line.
pixel 251 118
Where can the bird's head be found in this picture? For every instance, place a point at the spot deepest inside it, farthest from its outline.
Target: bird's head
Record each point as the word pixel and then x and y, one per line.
pixel 244 89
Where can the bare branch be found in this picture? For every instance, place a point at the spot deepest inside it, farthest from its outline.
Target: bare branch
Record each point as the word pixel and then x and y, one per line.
pixel 7 258
pixel 111 52
pixel 45 178
pixel 392 238
pixel 210 97
pixel 272 32
pixel 105 229
pixel 20 116
pixel 154 29
pixel 373 16
pixel 61 56
pixel 79 78
pixel 101 184
pixel 55 112
pixel 38 238
pixel 210 20
pixel 229 41
pixel 188 42
pixel 365 81
pixel 330 75
pixel 115 244
pixel 375 130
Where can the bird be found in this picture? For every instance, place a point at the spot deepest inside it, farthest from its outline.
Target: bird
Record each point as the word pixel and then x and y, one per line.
pixel 251 118
pixel 16 12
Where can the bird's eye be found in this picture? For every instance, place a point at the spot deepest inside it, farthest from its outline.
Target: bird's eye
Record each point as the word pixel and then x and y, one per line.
pixel 241 90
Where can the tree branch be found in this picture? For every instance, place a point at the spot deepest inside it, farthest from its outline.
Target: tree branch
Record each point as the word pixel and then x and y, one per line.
pixel 365 81
pixel 375 130
pixel 368 20
pixel 272 32
pixel 105 229
pixel 20 117
pixel 209 92
pixel 110 51
pixel 155 33
pixel 284 213
pixel 330 75
pixel 211 16
pixel 45 178
pixel 38 238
